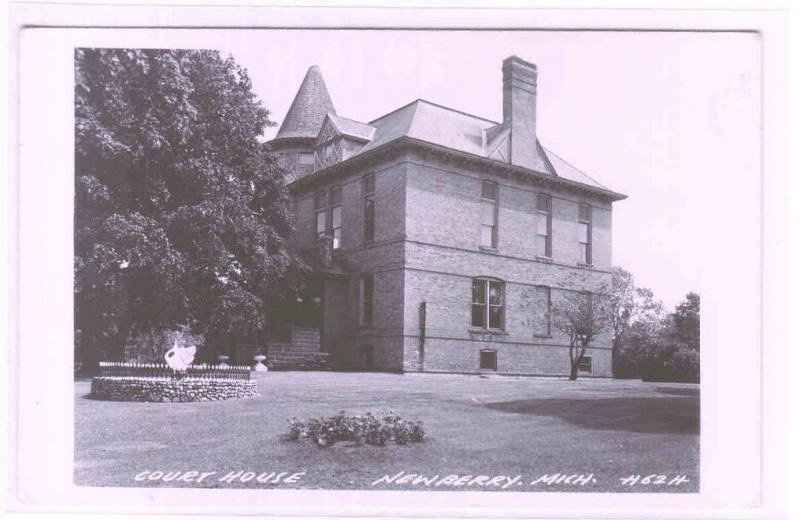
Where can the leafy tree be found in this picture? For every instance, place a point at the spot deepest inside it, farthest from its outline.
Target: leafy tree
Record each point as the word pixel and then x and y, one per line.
pixel 686 318
pixel 636 316
pixel 674 353
pixel 181 217
pixel 581 316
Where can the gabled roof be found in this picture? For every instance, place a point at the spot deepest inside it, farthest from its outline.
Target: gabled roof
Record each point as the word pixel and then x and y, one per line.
pixel 442 126
pixel 352 128
pixel 308 110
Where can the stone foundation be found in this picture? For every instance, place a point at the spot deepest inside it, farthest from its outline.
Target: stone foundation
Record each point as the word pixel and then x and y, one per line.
pixel 170 390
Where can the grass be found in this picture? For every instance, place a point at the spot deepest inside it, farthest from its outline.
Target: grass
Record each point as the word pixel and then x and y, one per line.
pixel 474 426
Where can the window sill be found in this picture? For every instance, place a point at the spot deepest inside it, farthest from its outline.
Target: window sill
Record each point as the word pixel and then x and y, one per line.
pixel 543 336
pixel 487 249
pixel 492 332
pixel 581 264
pixel 548 259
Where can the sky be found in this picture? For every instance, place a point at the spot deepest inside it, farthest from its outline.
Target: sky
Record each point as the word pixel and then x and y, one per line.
pixel 671 119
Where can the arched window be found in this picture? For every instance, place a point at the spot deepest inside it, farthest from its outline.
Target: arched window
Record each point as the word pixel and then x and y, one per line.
pixel 488 303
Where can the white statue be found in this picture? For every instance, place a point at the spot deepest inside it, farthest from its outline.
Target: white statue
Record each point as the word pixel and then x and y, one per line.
pixel 179 358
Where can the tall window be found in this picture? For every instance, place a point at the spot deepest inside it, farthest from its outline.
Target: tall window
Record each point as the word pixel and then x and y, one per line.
pixel 369 207
pixel 320 214
pixel 305 162
pixel 543 312
pixel 367 299
pixel 544 230
pixel 489 214
pixel 488 304
pixel 336 216
pixel 585 233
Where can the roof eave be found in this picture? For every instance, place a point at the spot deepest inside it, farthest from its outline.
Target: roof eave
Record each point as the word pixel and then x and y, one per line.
pixel 406 141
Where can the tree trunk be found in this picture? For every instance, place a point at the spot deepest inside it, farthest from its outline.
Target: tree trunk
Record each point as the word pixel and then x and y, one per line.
pixel 573 372
pixel 573 362
pixel 88 344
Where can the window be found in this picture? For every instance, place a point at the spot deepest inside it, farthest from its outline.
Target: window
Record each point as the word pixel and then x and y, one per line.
pixel 369 207
pixel 336 216
pixel 488 360
pixel 305 159
pixel 585 364
pixel 489 214
pixel 305 162
pixel 544 230
pixel 320 214
pixel 585 233
pixel 487 304
pixel 367 298
pixel 542 312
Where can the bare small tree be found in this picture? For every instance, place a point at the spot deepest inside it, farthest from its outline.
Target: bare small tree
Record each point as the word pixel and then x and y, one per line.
pixel 581 316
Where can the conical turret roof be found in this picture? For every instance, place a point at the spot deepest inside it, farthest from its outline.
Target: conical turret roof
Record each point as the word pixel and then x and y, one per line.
pixel 308 109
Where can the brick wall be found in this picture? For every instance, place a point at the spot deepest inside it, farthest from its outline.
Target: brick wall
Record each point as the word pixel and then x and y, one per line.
pixel 452 345
pixel 426 248
pixel 443 207
pixel 381 257
pixel 442 256
pixel 389 202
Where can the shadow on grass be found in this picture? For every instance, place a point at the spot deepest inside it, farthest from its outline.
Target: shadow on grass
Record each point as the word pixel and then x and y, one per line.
pixel 633 414
pixel 694 392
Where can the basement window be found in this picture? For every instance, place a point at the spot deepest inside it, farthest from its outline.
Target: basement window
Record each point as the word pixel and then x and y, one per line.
pixel 489 360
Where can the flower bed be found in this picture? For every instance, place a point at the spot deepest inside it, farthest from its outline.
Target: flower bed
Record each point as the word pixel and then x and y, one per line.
pixel 359 429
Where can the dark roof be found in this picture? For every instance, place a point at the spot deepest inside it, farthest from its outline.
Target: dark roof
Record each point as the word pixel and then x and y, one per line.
pixel 420 121
pixel 308 110
pixel 435 124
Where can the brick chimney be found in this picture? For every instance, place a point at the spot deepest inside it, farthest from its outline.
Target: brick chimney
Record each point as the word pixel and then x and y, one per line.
pixel 519 111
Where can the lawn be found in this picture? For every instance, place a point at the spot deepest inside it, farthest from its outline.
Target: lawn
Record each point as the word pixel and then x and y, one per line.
pixel 475 426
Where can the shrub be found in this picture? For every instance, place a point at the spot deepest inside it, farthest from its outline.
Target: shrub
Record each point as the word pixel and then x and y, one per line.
pixel 150 346
pixel 295 429
pixel 360 429
pixel 680 365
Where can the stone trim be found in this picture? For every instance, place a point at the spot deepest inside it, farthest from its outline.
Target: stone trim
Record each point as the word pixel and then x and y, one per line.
pixel 539 260
pixel 170 390
pixel 513 282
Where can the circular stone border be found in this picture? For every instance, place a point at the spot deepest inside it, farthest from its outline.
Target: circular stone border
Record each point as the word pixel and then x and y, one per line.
pixel 170 390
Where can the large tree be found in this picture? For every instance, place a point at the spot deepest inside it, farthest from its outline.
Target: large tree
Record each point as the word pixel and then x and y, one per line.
pixel 634 312
pixel 181 217
pixel 686 318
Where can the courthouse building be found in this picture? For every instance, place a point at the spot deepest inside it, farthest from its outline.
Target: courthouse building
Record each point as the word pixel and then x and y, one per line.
pixel 441 240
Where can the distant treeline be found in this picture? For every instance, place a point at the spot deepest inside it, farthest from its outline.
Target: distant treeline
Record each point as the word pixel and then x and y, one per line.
pixel 649 342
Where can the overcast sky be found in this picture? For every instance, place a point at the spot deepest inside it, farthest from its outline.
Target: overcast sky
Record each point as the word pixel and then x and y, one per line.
pixel 670 119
